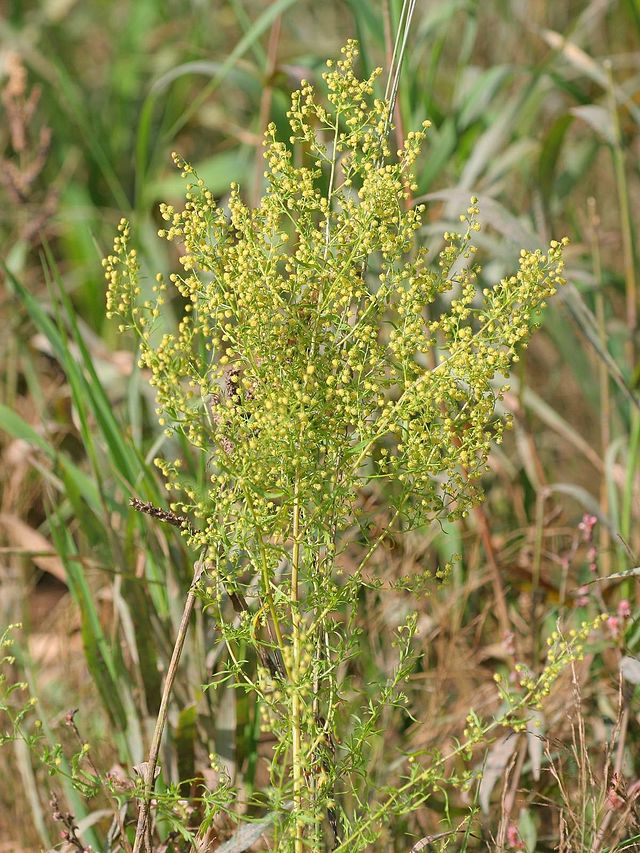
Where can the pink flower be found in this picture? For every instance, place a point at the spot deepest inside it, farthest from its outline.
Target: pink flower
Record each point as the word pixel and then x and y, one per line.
pixel 586 526
pixel 582 596
pixel 614 801
pixel 613 624
pixel 509 642
pixel 513 838
pixel 624 609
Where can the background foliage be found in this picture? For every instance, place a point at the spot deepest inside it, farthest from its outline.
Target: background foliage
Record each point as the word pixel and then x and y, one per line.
pixel 535 110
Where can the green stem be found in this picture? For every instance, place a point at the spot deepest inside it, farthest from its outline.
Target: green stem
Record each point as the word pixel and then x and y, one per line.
pixel 266 580
pixel 296 711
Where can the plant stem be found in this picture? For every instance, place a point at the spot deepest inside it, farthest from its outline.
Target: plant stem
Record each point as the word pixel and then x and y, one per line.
pixel 603 380
pixel 296 722
pixel 150 772
pixel 626 220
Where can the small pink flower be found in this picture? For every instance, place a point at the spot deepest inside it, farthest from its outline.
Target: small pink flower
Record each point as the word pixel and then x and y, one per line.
pixel 624 609
pixel 586 526
pixel 509 642
pixel 614 801
pixel 513 838
pixel 613 624
pixel 582 596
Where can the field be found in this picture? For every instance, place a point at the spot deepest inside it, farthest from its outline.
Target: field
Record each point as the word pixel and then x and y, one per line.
pixel 480 672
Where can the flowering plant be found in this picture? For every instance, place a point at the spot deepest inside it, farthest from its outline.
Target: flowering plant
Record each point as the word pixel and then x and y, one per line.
pixel 319 353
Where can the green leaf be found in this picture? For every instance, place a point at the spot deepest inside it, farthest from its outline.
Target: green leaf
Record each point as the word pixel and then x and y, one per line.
pixel 185 736
pixel 14 425
pixel 551 148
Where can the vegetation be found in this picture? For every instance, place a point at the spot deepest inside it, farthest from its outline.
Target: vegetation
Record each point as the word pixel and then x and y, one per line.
pixel 371 659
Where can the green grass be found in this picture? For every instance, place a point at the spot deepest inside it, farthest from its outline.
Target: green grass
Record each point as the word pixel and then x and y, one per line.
pixel 533 125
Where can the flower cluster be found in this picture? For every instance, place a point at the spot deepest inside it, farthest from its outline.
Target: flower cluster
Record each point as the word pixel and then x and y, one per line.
pixel 306 352
pixel 562 650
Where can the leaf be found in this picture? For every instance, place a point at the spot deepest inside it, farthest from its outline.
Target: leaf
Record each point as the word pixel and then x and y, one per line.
pixel 109 678
pixel 590 68
pixel 575 56
pixel 247 835
pixel 443 144
pixel 630 669
pixel 495 765
pixel 30 788
pixel 135 599
pixel 478 96
pixel 86 389
pixel 535 741
pixel 587 324
pixel 527 829
pixel 14 425
pixel 34 544
pixel 491 142
pixel 551 148
pixel 599 119
pixel 260 25
pixel 185 737
pixel 548 415
pixel 92 818
pixel 217 172
pixel 493 212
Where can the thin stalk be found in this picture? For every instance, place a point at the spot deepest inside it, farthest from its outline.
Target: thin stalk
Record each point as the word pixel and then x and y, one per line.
pixel 535 578
pixel 266 580
pixel 332 178
pixel 154 751
pixel 502 611
pixel 626 221
pixel 296 711
pixel 628 251
pixel 265 105
pixel 623 726
pixel 399 48
pixel 603 377
pixel 509 794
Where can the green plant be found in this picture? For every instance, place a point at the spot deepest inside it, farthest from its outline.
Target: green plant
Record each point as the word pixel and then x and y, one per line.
pixel 320 355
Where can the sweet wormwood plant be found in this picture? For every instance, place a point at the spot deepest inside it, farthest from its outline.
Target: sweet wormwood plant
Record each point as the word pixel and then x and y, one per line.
pixel 314 360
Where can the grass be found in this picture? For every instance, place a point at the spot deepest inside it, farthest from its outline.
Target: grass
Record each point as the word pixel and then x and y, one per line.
pixel 527 114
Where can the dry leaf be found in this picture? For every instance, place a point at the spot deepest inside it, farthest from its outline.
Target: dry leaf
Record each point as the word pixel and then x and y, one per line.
pixel 630 669
pixel 34 544
pixel 535 741
pixel 494 767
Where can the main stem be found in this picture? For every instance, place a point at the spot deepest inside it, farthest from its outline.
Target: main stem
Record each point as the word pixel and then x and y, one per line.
pixel 150 775
pixel 296 711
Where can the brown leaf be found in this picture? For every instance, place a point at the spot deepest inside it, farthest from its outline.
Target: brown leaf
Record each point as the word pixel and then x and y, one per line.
pixel 495 765
pixel 21 536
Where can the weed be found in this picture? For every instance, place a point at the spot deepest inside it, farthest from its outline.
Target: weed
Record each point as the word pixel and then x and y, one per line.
pixel 306 369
